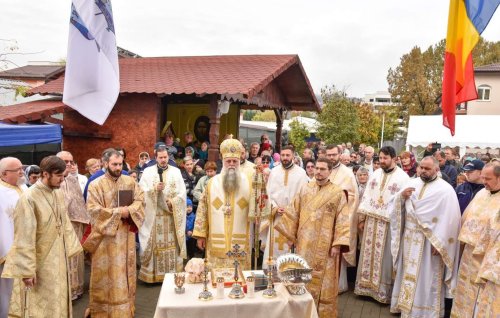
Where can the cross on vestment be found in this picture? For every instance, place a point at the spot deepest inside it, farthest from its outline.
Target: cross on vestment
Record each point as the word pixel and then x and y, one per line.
pixel 393 188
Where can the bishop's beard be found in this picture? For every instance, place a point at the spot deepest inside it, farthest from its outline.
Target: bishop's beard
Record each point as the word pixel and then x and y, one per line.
pixel 230 180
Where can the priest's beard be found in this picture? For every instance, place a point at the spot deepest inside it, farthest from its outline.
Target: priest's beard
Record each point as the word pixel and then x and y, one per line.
pixel 426 178
pixel 21 181
pixel 230 180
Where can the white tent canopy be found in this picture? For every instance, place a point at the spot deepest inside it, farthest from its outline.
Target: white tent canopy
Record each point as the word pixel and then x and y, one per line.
pixel 471 131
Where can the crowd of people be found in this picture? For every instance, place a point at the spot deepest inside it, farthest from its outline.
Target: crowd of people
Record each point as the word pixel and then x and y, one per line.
pixel 416 233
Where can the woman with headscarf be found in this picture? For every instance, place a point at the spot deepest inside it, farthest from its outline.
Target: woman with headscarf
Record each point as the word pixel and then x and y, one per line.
pixel 32 173
pixel 409 163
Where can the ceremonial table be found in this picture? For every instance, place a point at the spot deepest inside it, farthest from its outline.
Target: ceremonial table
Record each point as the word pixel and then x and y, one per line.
pixel 187 305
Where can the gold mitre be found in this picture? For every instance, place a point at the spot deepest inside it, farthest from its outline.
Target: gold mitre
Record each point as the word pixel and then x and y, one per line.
pixel 231 148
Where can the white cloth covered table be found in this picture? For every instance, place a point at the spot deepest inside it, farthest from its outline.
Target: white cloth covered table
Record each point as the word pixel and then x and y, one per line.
pixel 187 305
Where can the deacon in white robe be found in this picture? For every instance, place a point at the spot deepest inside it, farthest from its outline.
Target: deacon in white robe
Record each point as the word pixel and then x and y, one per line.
pixel 284 182
pixel 12 185
pixel 425 223
pixel 162 235
pixel 345 179
pixel 374 276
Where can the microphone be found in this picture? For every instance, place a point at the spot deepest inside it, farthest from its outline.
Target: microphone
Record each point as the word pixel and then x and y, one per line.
pixel 160 174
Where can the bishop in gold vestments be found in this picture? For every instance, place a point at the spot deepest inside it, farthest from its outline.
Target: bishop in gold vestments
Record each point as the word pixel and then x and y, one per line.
pixel 112 244
pixel 222 218
pixel 316 221
pixel 44 240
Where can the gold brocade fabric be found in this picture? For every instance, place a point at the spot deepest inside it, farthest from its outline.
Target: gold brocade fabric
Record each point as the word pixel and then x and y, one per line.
pixel 44 240
pixel 113 271
pixel 345 179
pixel 318 219
pixel 79 217
pixel 474 224
pixel 488 304
pixel 77 265
pixel 224 221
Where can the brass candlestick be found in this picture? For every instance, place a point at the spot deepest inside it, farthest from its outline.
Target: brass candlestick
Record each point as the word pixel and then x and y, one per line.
pixel 236 290
pixel 179 279
pixel 270 292
pixel 205 294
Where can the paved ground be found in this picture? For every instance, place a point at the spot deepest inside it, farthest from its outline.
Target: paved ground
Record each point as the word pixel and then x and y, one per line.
pixel 350 305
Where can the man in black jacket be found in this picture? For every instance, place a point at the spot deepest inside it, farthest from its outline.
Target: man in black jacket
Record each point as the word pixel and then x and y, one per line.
pixel 446 168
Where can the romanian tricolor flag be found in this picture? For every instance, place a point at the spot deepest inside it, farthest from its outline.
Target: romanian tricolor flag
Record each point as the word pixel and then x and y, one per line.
pixel 467 20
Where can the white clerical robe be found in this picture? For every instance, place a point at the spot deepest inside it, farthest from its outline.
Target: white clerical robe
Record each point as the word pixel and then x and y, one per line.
pixel 429 218
pixel 162 236
pixel 223 220
pixel 345 179
pixel 282 186
pixel 248 168
pixel 374 276
pixel 9 195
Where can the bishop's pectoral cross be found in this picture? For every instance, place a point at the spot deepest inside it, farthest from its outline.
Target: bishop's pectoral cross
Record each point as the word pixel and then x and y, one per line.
pixel 227 209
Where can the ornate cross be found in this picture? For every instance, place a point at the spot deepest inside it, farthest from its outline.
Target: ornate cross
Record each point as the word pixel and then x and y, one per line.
pixel 236 254
pixel 227 210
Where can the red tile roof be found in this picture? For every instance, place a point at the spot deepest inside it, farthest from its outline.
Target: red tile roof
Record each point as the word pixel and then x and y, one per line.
pixel 236 74
pixel 31 111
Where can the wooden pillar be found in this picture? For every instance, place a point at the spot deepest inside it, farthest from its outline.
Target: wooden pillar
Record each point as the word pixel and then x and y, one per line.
pixel 279 128
pixel 214 117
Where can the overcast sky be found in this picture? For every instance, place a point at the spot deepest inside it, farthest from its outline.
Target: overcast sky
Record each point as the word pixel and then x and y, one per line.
pixel 350 44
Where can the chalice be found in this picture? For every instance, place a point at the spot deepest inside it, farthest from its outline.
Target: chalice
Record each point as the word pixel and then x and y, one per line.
pixel 179 279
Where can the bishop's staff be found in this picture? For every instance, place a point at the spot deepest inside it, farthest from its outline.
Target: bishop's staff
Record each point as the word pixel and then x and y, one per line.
pixel 259 207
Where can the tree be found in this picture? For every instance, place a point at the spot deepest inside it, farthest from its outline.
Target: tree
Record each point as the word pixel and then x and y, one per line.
pixel 369 125
pixel 267 115
pixel 416 82
pixel 297 135
pixel 249 114
pixel 338 120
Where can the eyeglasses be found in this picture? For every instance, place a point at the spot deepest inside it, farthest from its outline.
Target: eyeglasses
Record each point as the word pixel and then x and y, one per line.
pixel 265 161
pixel 309 166
pixel 71 162
pixel 14 170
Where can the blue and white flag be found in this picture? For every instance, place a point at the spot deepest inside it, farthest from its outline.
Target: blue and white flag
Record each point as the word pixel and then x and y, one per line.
pixel 92 78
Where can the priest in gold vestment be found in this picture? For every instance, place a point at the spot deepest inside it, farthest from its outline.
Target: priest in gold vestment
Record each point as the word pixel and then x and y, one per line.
pixel 476 223
pixel 488 300
pixel 343 177
pixel 222 218
pixel 162 236
pixel 112 241
pixel 44 240
pixel 317 223
pixel 79 217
